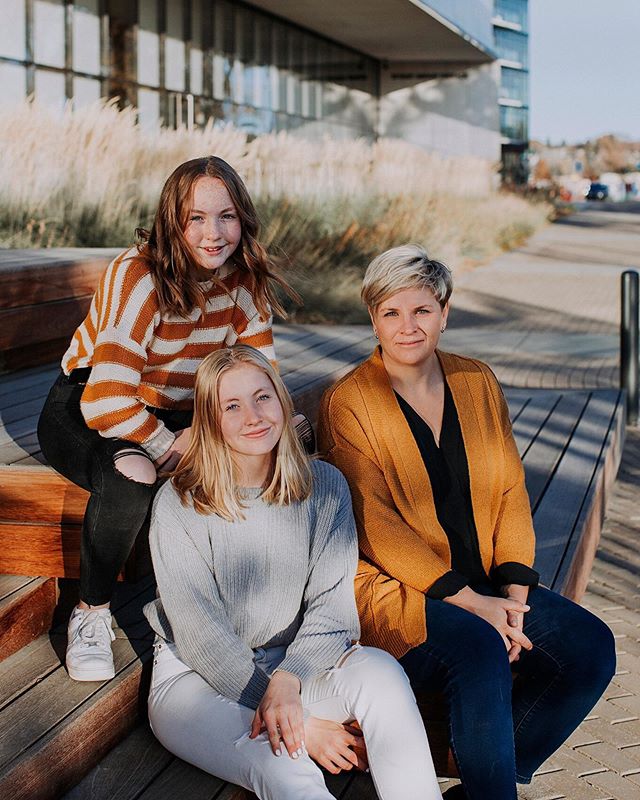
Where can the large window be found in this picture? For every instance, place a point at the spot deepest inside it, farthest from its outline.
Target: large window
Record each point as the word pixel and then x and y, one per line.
pixel 512 46
pixel 514 85
pixel 514 123
pixel 186 62
pixel 51 49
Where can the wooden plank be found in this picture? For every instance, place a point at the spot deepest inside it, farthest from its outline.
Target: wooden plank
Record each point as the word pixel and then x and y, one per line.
pixel 532 417
pixel 43 352
pixel 574 569
pixel 125 772
pixel 558 511
pixel 30 665
pixel 545 453
pixel 15 450
pixel 337 359
pixel 39 494
pixel 517 401
pixel 37 392
pixel 63 754
pixel 19 411
pixel 29 717
pixel 349 343
pixel 40 549
pixel 44 283
pixel 26 381
pixel 182 779
pixel 30 325
pixel 19 428
pixel 25 614
pixel 13 583
pixel 52 734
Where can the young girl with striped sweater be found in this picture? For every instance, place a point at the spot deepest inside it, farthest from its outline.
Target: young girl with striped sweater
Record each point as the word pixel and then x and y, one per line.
pixel 120 411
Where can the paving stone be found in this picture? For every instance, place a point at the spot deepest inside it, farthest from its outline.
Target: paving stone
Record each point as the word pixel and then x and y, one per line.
pixel 609 781
pixel 612 757
pixel 630 702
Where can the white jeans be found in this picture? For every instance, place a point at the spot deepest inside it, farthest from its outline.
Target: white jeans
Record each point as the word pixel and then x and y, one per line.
pixel 204 728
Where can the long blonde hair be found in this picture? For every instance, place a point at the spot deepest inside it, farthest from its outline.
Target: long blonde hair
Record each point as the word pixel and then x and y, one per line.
pixel 207 473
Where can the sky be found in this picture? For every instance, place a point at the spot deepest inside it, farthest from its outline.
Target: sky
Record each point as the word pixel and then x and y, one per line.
pixel 584 69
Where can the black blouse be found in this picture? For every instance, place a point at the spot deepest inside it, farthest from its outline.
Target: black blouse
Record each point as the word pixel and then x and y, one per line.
pixel 448 472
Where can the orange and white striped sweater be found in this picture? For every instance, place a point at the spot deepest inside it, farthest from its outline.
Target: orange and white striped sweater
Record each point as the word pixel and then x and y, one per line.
pixel 139 357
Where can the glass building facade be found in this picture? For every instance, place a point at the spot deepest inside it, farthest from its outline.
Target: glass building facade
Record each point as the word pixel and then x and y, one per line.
pixel 511 42
pixel 184 62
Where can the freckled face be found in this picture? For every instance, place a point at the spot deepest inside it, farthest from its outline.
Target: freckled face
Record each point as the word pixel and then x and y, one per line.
pixel 213 227
pixel 408 325
pixel 251 418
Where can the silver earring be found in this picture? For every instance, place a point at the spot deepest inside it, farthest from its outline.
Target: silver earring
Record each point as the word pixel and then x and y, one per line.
pixel 442 330
pixel 375 333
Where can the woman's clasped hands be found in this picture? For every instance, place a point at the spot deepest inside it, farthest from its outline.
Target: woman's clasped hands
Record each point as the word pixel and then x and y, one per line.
pixel 330 744
pixel 505 614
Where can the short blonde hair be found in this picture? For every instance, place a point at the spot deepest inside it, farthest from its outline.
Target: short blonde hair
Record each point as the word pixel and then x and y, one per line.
pixel 405 267
pixel 207 473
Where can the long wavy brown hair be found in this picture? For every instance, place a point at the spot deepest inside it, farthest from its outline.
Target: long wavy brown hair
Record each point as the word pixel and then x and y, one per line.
pixel 172 262
pixel 207 474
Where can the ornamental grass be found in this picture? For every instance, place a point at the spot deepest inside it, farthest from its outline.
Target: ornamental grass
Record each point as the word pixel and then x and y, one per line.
pixel 88 178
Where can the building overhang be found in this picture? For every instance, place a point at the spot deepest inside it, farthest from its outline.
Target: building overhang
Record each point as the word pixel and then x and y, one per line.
pixel 388 30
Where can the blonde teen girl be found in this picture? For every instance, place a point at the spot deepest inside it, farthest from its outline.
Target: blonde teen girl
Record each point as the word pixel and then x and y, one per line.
pixel 256 674
pixel 121 408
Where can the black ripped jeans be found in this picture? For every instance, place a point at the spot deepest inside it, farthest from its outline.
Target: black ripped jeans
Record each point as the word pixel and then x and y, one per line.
pixel 118 505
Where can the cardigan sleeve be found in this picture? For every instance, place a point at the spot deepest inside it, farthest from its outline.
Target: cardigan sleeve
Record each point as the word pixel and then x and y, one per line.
pixel 514 537
pixel 385 538
pixel 191 602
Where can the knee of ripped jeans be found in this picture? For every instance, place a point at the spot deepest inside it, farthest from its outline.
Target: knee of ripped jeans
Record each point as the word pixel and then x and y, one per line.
pixel 135 465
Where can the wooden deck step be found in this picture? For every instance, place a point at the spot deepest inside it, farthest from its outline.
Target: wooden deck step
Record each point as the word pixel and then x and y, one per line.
pixel 53 729
pixel 41 512
pixel 139 768
pixel 26 610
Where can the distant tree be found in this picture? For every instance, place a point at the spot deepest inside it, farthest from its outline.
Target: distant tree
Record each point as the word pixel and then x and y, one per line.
pixel 612 154
pixel 542 171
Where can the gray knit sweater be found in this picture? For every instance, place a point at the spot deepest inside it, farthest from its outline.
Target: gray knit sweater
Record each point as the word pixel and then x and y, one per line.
pixel 283 576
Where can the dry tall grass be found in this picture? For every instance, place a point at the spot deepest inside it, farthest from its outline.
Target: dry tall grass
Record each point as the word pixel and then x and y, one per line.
pixel 88 178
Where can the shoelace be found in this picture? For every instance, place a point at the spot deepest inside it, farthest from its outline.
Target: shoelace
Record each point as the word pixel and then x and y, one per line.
pixel 91 630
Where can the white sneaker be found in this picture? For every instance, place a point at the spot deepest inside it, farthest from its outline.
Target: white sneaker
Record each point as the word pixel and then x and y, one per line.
pixel 89 637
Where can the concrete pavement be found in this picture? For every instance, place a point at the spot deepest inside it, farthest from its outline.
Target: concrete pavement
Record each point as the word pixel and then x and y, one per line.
pixel 545 316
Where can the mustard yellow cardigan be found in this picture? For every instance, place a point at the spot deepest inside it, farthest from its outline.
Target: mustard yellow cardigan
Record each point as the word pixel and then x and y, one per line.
pixel 403 548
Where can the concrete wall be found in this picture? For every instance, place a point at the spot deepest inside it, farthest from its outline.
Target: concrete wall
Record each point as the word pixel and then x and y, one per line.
pixel 453 116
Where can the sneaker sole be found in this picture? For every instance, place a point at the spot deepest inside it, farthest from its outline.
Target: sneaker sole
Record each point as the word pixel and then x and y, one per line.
pixel 91 675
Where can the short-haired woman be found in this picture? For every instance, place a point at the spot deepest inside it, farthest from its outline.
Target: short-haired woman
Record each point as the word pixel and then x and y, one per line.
pixel 445 581
pixel 254 550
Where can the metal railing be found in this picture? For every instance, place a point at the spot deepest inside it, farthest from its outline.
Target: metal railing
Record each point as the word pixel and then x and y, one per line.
pixel 630 343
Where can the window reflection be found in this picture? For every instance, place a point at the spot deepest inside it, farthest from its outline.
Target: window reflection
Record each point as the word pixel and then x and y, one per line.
pixel 188 60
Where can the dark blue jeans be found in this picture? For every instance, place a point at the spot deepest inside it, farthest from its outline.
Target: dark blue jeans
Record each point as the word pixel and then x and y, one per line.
pixel 506 720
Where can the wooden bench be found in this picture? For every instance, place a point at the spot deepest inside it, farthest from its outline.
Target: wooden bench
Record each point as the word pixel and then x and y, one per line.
pixel 570 442
pixel 53 730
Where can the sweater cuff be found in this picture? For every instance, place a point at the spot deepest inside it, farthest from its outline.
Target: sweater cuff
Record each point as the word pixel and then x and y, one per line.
pixel 514 572
pixel 251 696
pixel 160 442
pixel 446 586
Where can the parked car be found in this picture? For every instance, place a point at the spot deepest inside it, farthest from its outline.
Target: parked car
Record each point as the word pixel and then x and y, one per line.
pixel 597 191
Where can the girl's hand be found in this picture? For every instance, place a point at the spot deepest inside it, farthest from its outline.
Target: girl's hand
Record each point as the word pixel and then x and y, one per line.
pixel 334 746
pixel 169 460
pixel 501 612
pixel 280 713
